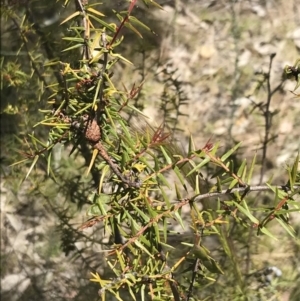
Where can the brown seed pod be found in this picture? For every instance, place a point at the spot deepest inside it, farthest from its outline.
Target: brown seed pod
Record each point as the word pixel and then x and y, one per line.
pixel 93 132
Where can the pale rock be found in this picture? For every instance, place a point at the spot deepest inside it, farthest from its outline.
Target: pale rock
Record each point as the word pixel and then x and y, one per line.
pixel 15 282
pixel 283 158
pixel 242 102
pixel 221 126
pixel 286 126
pixel 264 48
pixel 295 36
pixel 259 10
pixel 240 126
pixel 207 51
pixel 244 58
pixel 14 221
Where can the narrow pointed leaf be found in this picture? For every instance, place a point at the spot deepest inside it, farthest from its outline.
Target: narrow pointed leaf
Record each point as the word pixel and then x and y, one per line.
pixel 251 169
pixel 286 227
pixel 197 167
pixel 241 170
pixel 31 167
pixel 106 25
pixel 168 159
pixel 247 213
pixel 77 13
pixel 179 219
pixel 178 194
pixel 96 12
pixel 145 217
pixel 191 145
pixel 180 177
pixel 164 180
pixel 94 156
pixel 230 152
pixel 267 232
pixel 139 245
pixel 233 183
pixel 293 172
pixel 73 47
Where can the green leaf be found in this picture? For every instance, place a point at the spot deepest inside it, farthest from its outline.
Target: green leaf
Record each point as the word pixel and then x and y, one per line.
pixel 212 266
pixel 142 214
pixel 179 176
pixel 73 47
pixel 106 25
pixel 91 164
pixel 135 21
pixel 230 152
pixel 280 194
pixel 227 180
pixel 233 183
pixel 200 252
pixel 168 159
pixel 242 169
pixel 139 245
pixel 178 194
pixel 104 172
pixel 267 232
pixel 246 211
pixel 74 39
pixel 152 2
pixel 49 164
pixel 191 145
pixel 178 218
pixel 134 226
pixel 287 228
pixel 197 167
pixel 31 167
pixel 96 12
pixel 101 200
pixel 165 197
pixel 120 57
pixel 293 173
pixel 164 180
pixel 77 13
pixel 219 184
pixel 94 210
pixel 35 140
pixel 197 186
pixel 251 169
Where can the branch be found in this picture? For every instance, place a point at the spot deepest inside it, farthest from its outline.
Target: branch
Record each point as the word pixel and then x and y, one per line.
pixel 243 189
pixel 268 119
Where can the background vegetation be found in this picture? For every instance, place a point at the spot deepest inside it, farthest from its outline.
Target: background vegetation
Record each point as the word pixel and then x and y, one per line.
pixel 192 214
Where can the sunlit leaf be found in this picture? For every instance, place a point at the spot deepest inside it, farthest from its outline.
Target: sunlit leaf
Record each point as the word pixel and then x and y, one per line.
pixel 93 158
pixel 286 227
pixel 197 167
pixel 77 13
pixel 96 12
pixel 230 152
pixel 246 212
pixel 36 158
pixel 267 232
pixel 106 25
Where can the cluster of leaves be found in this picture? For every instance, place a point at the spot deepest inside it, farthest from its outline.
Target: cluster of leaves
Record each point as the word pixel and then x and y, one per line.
pixel 131 170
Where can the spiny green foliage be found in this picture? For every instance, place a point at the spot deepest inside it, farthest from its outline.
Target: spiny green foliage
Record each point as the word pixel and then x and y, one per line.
pixel 131 169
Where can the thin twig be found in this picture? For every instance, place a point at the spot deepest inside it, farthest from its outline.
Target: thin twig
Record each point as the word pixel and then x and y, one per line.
pixel 195 270
pixel 243 189
pixel 268 119
pixel 85 24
